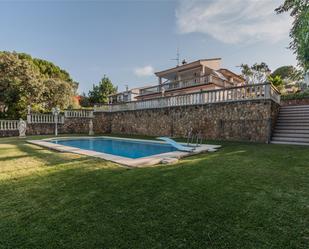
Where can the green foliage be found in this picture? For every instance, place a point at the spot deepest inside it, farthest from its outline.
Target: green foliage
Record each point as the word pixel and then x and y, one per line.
pixel 299 10
pixel 28 81
pixel 275 80
pixel 99 93
pixel 288 73
pixel 256 73
pixel 298 95
pixel 84 100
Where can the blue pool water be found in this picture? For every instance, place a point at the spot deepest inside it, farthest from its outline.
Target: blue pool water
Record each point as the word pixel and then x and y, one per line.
pixel 124 148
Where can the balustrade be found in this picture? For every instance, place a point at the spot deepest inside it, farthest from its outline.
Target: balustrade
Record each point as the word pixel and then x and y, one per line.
pixel 9 125
pixel 240 93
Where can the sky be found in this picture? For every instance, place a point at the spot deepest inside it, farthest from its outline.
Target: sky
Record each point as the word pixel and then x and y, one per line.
pixel 129 40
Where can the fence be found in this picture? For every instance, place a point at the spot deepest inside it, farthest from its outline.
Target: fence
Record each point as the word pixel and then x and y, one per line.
pixel 78 113
pixel 241 93
pixel 9 125
pixel 38 118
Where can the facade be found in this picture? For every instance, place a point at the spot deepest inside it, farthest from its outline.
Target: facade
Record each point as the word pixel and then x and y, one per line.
pixel 192 77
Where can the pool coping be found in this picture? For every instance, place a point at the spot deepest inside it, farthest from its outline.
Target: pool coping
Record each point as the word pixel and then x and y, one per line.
pixel 138 162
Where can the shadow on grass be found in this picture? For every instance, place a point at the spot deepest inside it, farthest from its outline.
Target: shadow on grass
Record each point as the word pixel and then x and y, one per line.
pixel 48 157
pixel 9 158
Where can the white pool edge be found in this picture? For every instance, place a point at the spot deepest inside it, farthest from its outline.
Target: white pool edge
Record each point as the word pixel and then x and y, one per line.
pixel 138 162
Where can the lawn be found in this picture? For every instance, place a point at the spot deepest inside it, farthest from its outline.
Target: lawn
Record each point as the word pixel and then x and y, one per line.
pixel 243 196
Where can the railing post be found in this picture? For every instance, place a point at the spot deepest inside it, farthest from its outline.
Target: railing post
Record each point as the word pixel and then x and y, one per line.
pixel 267 91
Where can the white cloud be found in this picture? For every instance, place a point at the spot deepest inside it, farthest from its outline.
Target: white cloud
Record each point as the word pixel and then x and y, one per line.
pixel 234 21
pixel 144 71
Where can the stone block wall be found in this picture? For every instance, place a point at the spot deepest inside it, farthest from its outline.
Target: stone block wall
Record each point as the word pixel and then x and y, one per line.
pixel 70 126
pixel 12 133
pixel 247 120
pixel 303 101
pixel 242 121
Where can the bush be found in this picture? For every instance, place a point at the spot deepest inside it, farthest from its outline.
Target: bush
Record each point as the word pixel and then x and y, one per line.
pixel 299 95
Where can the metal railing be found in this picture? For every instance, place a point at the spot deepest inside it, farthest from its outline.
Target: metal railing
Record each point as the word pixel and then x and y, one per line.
pixel 241 93
pixel 200 80
pixel 9 125
pixel 39 118
pixel 78 113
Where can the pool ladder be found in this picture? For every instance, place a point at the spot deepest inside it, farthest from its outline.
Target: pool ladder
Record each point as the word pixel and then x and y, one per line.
pixel 194 139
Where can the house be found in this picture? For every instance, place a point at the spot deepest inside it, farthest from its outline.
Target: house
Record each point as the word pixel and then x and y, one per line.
pixel 125 96
pixel 199 75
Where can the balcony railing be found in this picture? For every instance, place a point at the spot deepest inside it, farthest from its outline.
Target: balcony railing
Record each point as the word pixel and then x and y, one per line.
pixel 201 80
pixel 242 93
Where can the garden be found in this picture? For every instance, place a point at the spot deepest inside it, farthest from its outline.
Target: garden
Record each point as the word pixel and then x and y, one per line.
pixel 243 196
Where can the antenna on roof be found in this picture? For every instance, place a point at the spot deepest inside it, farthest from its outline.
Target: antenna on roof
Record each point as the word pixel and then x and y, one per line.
pixel 177 58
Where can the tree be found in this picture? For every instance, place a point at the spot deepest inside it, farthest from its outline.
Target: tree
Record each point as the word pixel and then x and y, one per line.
pixel 256 73
pixel 99 93
pixel 84 100
pixel 292 78
pixel 288 73
pixel 28 81
pixel 299 10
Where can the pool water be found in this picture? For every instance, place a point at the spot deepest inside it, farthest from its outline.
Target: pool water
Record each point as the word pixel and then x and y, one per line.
pixel 118 147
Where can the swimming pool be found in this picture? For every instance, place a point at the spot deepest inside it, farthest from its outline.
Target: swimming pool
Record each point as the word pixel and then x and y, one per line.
pixel 124 148
pixel 124 151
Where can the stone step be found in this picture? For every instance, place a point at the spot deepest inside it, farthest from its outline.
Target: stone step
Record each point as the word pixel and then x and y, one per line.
pixel 291 143
pixel 293 135
pixel 296 112
pixel 294 107
pixel 295 121
pixel 294 115
pixel 291 127
pixel 289 131
pixel 289 119
pixel 290 139
pixel 304 123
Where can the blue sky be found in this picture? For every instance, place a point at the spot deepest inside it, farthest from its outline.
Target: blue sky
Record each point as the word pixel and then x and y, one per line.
pixel 128 40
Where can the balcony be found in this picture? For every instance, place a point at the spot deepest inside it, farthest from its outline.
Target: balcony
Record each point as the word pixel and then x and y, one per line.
pixel 201 80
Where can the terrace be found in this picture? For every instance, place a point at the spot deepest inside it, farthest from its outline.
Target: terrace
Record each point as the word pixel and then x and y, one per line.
pixel 178 84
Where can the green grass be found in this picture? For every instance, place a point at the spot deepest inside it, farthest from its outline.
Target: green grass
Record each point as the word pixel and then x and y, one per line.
pixel 243 196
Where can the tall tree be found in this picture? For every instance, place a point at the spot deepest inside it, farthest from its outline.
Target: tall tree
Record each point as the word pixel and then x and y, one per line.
pixel 288 73
pixel 256 73
pixel 299 10
pixel 99 93
pixel 24 82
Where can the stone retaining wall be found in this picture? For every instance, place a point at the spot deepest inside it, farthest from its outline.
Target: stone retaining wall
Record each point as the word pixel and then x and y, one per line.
pixel 304 101
pixel 11 133
pixel 70 126
pixel 247 120
pixel 242 121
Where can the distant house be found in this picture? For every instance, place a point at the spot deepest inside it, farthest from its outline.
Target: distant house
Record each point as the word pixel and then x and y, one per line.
pixel 125 96
pixel 192 77
pixel 201 75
